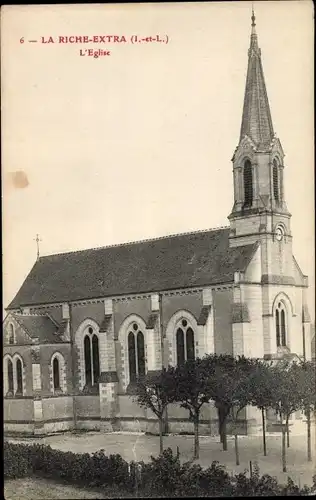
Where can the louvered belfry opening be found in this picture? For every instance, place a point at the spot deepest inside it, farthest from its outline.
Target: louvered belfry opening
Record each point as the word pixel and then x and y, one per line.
pixel 276 181
pixel 248 187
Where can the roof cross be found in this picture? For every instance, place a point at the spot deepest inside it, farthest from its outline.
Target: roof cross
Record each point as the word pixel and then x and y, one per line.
pixel 37 239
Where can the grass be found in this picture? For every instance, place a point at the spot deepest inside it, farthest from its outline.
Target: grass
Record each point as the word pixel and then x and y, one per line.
pixel 37 488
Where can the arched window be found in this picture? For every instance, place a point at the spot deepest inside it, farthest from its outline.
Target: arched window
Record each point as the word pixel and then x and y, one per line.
pixel 180 347
pixel 280 324
pixel 91 358
pixel 190 343
pixel 56 374
pixel 87 360
pixel 19 377
pixel 283 339
pixel 136 353
pixel 141 353
pixel 58 381
pixel 248 184
pixel 276 181
pixel 185 342
pixel 11 334
pixel 10 377
pixel 95 359
pixel 132 357
pixel 277 327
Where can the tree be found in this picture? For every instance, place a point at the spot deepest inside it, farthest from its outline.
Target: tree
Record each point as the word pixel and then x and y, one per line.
pixel 241 389
pixel 307 388
pixel 262 393
pixel 156 391
pixel 218 368
pixel 191 385
pixel 230 386
pixel 287 396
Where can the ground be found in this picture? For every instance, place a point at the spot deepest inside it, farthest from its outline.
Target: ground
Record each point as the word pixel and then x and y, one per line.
pixel 141 447
pixel 38 489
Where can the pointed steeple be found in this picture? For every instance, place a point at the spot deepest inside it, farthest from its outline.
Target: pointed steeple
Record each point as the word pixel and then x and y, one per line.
pixel 256 118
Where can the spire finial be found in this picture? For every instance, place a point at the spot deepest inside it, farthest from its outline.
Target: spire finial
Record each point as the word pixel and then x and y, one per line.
pixel 37 239
pixel 253 17
pixel 253 22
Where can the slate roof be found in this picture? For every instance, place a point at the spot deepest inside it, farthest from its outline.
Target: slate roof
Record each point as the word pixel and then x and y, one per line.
pixel 42 327
pixel 172 262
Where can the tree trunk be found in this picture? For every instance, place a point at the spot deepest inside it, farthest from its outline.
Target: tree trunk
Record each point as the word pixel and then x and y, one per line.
pixel 165 420
pixel 220 423
pixel 264 432
pixel 287 433
pixel 222 432
pixel 283 448
pixel 196 438
pixel 161 435
pixel 236 445
pixel 309 445
pixel 224 435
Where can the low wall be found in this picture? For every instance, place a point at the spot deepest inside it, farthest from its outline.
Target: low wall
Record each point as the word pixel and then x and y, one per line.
pixel 58 414
pixel 59 407
pixel 18 415
pixel 87 412
pixel 16 410
pixel 18 428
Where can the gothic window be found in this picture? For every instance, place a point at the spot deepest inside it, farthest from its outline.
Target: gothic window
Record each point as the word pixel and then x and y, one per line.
pixel 190 343
pixel 141 353
pixel 277 327
pixel 10 376
pixel 11 334
pixel 95 358
pixel 19 377
pixel 56 374
pixel 248 184
pixel 87 360
pixel 276 181
pixel 280 324
pixel 91 358
pixel 136 353
pixel 283 339
pixel 185 342
pixel 180 347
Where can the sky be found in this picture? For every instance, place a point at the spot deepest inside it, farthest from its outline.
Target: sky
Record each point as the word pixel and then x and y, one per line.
pixel 138 144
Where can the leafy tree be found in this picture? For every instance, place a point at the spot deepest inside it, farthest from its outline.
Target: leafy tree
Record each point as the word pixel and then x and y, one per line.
pixel 262 393
pixel 287 396
pixel 156 391
pixel 307 387
pixel 191 384
pixel 219 367
pixel 242 384
pixel 230 386
pixel 231 389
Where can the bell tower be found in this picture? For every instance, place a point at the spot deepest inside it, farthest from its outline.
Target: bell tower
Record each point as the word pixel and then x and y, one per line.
pixel 259 211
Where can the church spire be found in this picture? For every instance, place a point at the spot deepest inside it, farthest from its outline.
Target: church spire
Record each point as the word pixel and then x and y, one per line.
pixel 256 118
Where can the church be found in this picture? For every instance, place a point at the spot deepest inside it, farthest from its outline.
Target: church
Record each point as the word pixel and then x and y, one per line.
pixel 85 324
